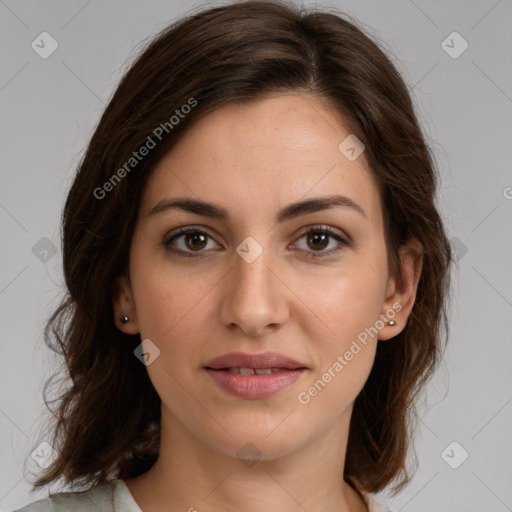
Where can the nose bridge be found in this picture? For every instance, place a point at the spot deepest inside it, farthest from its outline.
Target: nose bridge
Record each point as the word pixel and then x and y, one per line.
pixel 254 299
pixel 251 265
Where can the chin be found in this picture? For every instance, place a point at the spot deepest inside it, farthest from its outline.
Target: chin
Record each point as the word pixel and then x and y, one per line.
pixel 252 445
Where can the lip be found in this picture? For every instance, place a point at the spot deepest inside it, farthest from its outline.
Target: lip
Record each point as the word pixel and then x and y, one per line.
pixel 246 360
pixel 254 386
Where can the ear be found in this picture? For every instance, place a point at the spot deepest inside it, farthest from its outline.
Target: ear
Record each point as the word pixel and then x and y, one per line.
pixel 124 305
pixel 401 289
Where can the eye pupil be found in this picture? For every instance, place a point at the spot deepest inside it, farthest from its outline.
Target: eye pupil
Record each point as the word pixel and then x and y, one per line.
pixel 195 237
pixel 319 238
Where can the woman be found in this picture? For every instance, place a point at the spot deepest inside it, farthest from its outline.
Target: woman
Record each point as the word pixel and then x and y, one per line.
pixel 257 274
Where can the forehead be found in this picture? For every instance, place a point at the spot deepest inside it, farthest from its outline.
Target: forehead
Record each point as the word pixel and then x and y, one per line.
pixel 263 155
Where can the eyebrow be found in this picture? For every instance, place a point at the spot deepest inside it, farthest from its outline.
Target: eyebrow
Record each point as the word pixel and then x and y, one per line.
pixel 289 212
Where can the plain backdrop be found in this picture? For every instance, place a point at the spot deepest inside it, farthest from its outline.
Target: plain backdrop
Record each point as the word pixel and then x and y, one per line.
pixel 50 106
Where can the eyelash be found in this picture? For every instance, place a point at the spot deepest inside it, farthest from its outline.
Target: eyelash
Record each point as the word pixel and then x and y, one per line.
pixel 324 230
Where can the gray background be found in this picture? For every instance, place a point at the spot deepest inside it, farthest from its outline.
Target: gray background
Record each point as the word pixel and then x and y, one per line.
pixel 50 107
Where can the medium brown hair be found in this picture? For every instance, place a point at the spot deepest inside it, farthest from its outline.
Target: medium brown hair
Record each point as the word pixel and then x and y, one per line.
pixel 107 422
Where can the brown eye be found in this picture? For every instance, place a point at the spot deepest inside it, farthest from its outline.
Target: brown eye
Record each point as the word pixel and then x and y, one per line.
pixel 187 241
pixel 318 239
pixel 195 241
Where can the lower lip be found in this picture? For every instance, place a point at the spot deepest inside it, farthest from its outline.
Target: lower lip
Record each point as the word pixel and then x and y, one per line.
pixel 254 386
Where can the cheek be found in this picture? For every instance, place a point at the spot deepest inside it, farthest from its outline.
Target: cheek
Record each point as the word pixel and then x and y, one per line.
pixel 174 311
pixel 346 301
pixel 345 353
pixel 165 294
pixel 168 310
pixel 348 304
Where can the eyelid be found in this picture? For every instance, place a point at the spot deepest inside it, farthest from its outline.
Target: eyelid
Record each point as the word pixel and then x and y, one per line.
pixel 325 227
pixel 186 229
pixel 176 233
pixel 343 240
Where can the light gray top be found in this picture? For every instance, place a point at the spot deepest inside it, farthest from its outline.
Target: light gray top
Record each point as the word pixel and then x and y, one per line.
pixel 116 497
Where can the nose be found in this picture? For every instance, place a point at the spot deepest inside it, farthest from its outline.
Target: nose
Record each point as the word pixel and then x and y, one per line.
pixel 255 300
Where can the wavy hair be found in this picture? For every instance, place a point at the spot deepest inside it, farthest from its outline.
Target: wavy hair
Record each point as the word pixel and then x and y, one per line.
pixel 107 420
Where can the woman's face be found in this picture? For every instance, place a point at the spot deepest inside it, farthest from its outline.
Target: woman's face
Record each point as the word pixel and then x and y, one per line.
pixel 255 282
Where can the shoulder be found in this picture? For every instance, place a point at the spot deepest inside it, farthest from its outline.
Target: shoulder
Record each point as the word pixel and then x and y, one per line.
pixel 374 504
pixel 100 497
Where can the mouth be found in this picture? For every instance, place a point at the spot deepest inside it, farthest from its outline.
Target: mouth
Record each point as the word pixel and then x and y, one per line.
pixel 268 361
pixel 254 376
pixel 253 371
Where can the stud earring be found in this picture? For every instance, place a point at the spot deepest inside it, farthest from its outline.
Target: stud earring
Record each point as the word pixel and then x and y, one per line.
pixel 125 319
pixel 391 322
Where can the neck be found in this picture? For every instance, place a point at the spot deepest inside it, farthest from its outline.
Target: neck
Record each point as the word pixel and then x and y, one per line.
pixel 191 475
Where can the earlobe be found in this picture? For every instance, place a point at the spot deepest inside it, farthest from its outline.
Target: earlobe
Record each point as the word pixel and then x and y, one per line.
pixel 125 315
pixel 402 288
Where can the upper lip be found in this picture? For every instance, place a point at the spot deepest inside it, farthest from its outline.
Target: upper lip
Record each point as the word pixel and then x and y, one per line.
pixel 246 360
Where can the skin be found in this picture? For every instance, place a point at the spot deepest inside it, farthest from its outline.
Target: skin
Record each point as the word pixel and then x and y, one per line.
pixel 254 159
